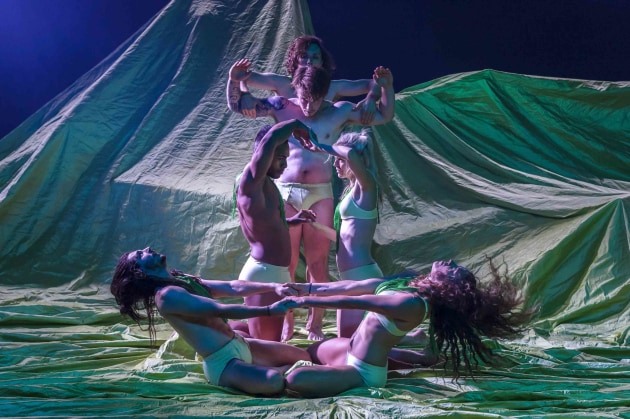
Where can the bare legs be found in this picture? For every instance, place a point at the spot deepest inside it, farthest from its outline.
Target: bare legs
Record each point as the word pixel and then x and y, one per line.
pixel 252 379
pixel 322 380
pixel 316 249
pixel 326 380
pixel 265 375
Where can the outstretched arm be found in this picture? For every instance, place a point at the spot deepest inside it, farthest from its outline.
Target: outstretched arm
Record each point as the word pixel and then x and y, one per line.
pixel 277 83
pixel 281 85
pixel 403 306
pixel 367 286
pixel 176 301
pixel 220 289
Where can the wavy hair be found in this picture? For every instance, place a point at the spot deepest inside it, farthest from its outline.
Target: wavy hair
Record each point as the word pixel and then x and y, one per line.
pixel 463 311
pixel 297 50
pixel 134 291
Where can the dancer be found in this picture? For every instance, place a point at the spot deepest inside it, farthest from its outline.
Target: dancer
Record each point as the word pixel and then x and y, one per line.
pixel 310 51
pixel 460 308
pixel 142 282
pixel 263 220
pixel 307 182
pixel 356 216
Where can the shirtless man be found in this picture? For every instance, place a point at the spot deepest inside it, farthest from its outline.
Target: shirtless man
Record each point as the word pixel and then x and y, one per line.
pixel 263 220
pixel 309 50
pixel 307 182
pixel 142 283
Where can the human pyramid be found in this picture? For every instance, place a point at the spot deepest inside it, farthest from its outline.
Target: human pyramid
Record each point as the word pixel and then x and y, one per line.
pixel 285 200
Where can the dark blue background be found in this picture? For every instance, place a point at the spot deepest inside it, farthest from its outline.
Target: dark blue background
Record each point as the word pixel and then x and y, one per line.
pixel 47 44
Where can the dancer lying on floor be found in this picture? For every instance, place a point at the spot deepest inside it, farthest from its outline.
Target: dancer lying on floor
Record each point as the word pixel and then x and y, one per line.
pixel 460 308
pixel 142 282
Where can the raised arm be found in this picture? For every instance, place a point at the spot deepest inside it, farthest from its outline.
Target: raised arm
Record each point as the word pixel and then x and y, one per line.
pixel 385 79
pixel 277 83
pixel 385 111
pixel 262 158
pixel 239 72
pixel 347 88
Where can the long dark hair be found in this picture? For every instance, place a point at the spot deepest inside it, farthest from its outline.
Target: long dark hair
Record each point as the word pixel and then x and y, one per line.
pixel 463 311
pixel 134 291
pixel 298 48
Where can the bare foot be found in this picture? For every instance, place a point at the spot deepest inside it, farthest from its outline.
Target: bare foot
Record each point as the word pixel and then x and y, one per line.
pixel 316 334
pixel 314 324
pixel 314 331
pixel 288 327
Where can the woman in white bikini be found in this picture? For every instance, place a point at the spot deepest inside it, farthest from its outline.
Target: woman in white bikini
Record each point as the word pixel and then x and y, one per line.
pixel 460 308
pixel 142 283
pixel 356 217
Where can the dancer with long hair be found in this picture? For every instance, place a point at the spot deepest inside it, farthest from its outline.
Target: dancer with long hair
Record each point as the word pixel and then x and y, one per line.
pixel 460 308
pixel 143 286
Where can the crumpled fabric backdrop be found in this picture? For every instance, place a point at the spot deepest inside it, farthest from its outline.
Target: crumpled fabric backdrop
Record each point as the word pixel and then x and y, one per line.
pixel 142 150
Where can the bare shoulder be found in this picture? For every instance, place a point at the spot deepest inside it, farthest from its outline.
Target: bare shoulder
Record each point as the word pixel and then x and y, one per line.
pixel 169 294
pixel 409 307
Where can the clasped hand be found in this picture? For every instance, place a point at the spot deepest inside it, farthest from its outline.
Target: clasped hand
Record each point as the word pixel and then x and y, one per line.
pixel 294 289
pixel 283 306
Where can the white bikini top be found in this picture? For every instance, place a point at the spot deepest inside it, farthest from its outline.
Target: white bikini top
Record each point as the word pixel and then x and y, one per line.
pixel 389 324
pixel 349 209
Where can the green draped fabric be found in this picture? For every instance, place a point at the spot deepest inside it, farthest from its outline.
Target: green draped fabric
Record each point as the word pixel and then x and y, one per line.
pixel 530 171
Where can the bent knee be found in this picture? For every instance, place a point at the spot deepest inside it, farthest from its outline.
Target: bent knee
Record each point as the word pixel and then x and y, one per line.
pixel 275 382
pixel 298 381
